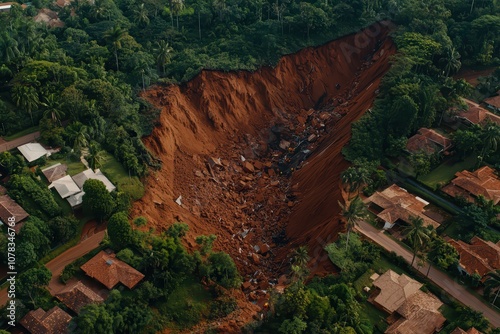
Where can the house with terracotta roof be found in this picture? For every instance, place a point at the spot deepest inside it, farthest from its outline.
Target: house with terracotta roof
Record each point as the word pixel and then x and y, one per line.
pixel 471 330
pixel 411 311
pixel 77 296
pixel 479 257
pixel 54 321
pixel 109 271
pixel 475 114
pixel 55 172
pixel 9 208
pixel 428 141
pixel 469 185
pixel 396 205
pixel 493 103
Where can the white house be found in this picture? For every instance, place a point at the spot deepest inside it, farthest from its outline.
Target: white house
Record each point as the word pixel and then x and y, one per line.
pixel 33 151
pixel 65 186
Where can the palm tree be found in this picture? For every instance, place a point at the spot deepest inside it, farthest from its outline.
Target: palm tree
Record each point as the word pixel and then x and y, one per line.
pixel 81 138
pixel 417 234
pixel 26 97
pixel 492 283
pixel 354 178
pixel 490 137
pixel 95 156
pixel 53 109
pixel 114 37
pixel 300 256
pixel 141 15
pixel 163 51
pixel 451 60
pixel 353 212
pixel 10 50
pixel 177 7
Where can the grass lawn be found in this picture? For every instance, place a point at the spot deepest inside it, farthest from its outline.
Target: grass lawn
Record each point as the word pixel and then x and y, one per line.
pixel 375 316
pixel 74 167
pixel 21 133
pixel 117 174
pixel 446 171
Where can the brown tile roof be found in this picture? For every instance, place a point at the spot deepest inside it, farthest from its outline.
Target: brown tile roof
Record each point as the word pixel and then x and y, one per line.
pixel 477 115
pixel 77 296
pixel 110 271
pixel 428 141
pixel 493 101
pixel 9 208
pixel 471 330
pixel 394 289
pixel 468 184
pixel 55 172
pixel 479 256
pixel 54 321
pixel 420 315
pixel 397 203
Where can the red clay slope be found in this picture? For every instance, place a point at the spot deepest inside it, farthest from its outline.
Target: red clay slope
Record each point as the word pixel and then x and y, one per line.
pixel 209 115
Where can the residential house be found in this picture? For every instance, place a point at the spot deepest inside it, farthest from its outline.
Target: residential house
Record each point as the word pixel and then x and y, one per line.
pixel 54 321
pixel 55 172
pixel 77 296
pixel 493 103
pixel 475 114
pixel 428 141
pixel 65 187
pixel 9 208
pixel 90 174
pixel 470 185
pixel 48 17
pixel 396 205
pixel 478 257
pixel 109 271
pixel 33 151
pixel 6 6
pixel 411 311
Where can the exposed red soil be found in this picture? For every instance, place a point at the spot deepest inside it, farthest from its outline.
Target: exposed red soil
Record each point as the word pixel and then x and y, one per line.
pixel 309 100
pixel 471 75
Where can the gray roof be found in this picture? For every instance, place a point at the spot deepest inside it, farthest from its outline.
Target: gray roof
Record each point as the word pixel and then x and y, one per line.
pixel 65 186
pixel 32 151
pixel 90 174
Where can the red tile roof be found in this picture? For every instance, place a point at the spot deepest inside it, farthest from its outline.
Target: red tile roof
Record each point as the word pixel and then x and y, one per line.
pixel 77 296
pixel 54 321
pixel 477 115
pixel 55 172
pixel 479 256
pixel 9 208
pixel 110 271
pixel 468 184
pixel 493 101
pixel 428 141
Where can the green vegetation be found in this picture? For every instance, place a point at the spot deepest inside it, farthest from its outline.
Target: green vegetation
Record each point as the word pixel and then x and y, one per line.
pixel 114 171
pixel 445 172
pixel 75 166
pixel 21 133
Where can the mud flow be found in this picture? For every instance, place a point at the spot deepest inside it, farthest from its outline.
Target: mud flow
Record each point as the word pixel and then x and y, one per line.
pixel 255 157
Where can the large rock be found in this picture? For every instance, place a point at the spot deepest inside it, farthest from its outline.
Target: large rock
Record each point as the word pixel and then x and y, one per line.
pixel 248 167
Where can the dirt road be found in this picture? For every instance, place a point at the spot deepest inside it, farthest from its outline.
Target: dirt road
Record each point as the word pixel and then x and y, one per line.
pixel 8 145
pixel 57 265
pixel 439 278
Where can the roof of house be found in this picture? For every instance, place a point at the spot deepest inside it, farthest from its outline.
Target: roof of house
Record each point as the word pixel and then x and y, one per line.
pixel 476 114
pixel 65 186
pixel 9 208
pixel 468 184
pixel 395 290
pixel 110 271
pixel 49 17
pixel 493 101
pixel 32 151
pixel 76 199
pixel 397 203
pixel 420 315
pixel 77 296
pixel 54 321
pixel 479 256
pixel 90 174
pixel 55 172
pixel 428 141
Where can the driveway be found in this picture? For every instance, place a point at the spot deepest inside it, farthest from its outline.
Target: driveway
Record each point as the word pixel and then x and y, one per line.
pixel 9 145
pixel 439 278
pixel 57 265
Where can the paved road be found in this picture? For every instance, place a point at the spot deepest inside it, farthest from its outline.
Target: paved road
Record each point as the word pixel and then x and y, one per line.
pixel 439 278
pixel 57 265
pixel 5 146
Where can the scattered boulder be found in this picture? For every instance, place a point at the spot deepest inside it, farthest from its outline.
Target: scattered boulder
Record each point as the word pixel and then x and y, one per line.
pixel 284 145
pixel 179 200
pixel 312 138
pixel 248 167
pixel 255 258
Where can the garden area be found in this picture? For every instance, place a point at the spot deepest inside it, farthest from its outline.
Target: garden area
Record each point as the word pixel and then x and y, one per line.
pixel 445 172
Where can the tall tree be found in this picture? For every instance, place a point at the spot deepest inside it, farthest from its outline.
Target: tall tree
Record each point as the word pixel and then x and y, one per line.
pixel 491 284
pixel 26 97
pixel 352 212
pixel 141 15
pixel 163 54
pixel 300 256
pixel 490 137
pixel 52 108
pixel 114 37
pixel 97 200
pixel 451 61
pixel 95 156
pixel 417 234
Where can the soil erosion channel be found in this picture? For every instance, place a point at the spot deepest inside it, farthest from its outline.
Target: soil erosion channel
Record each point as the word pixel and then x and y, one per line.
pixel 254 157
